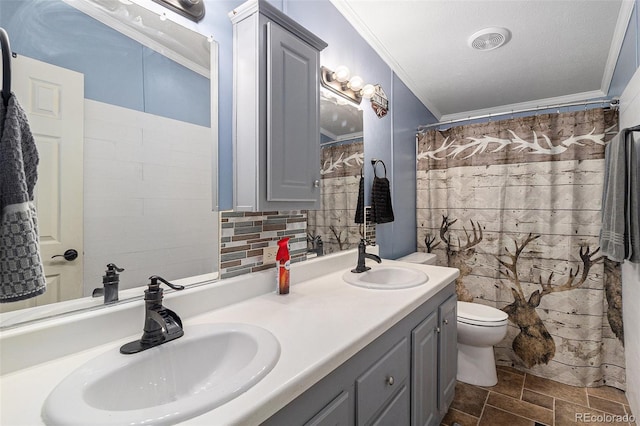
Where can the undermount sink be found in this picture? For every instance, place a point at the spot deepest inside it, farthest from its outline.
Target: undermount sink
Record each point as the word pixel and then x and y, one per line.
pixel 210 365
pixel 387 278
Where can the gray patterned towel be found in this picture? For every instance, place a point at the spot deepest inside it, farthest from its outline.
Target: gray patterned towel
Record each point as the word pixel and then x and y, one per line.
pixel 21 271
pixel 620 234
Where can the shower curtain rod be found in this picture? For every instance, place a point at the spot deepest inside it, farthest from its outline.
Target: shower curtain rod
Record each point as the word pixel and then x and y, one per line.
pixel 611 103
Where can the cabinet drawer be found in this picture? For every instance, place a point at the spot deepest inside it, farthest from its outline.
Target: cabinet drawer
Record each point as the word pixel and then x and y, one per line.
pixel 380 382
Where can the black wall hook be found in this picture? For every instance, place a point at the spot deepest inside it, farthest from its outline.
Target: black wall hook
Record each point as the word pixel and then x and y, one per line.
pixel 6 66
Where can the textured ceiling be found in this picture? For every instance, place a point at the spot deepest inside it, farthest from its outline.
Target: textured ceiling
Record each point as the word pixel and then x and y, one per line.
pixel 560 50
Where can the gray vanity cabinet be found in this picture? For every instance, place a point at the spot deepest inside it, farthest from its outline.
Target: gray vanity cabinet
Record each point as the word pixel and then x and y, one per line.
pixel 434 365
pixel 337 412
pixel 405 377
pixel 276 129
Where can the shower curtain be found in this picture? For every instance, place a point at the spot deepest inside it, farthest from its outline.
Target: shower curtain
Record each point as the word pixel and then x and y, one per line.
pixel 515 205
pixel 341 165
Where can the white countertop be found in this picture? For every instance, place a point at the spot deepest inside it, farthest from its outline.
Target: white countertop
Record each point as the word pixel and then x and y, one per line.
pixel 320 324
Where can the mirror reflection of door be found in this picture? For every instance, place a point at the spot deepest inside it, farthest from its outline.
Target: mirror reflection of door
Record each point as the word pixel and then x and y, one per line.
pixel 53 99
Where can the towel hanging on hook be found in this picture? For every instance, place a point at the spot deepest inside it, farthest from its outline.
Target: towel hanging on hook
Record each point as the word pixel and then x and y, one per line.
pixel 381 208
pixel 6 66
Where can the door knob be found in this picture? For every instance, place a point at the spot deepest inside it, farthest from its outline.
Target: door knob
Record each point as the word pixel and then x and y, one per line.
pixel 68 255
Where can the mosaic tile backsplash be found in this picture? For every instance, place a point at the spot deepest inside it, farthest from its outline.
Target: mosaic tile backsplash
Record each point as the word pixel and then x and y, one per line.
pixel 244 235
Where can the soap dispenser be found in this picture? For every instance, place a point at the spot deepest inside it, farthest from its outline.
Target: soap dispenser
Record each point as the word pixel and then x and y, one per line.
pixel 283 259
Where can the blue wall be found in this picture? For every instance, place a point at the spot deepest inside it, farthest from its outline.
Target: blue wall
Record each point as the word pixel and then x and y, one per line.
pixel 408 112
pixel 629 58
pixel 117 70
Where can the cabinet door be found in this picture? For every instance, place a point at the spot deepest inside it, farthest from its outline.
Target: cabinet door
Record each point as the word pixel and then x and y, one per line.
pixel 293 104
pixel 336 413
pixel 448 354
pixel 424 372
pixel 397 412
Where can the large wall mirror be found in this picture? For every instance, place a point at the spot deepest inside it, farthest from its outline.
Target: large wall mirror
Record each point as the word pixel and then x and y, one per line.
pixel 123 106
pixel 342 161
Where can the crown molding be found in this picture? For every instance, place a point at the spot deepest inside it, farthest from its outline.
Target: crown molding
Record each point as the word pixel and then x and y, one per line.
pixel 624 16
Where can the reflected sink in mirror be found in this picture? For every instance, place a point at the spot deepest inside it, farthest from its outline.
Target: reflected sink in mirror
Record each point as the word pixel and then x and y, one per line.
pixel 387 278
pixel 209 366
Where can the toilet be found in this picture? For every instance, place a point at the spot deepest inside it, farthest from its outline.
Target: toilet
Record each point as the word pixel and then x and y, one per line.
pixel 419 257
pixel 480 327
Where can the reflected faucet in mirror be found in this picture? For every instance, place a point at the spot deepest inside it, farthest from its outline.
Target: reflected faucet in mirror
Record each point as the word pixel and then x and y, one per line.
pixel 110 283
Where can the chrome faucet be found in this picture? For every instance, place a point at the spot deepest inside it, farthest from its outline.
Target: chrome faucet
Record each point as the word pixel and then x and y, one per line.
pixel 110 283
pixel 161 325
pixel 362 255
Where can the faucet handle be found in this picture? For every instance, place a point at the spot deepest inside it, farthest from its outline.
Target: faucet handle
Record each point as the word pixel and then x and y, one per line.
pixel 155 285
pixel 113 267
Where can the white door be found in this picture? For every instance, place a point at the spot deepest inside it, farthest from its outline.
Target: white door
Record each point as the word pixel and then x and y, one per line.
pixel 53 99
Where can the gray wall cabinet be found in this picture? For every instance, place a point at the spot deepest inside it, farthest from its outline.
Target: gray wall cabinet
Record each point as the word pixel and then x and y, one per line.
pixel 276 121
pixel 406 376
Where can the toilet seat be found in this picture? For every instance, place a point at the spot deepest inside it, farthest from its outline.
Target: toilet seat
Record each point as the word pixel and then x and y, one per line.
pixel 481 315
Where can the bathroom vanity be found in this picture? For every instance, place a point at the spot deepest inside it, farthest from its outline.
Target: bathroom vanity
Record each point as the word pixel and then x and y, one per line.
pixel 347 353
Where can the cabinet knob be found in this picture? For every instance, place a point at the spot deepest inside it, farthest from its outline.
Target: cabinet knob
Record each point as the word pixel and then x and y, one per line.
pixel 446 321
pixel 390 380
pixel 316 183
pixel 437 329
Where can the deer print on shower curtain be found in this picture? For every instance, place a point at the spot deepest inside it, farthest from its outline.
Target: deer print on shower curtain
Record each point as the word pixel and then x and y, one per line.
pixel 534 345
pixel 458 255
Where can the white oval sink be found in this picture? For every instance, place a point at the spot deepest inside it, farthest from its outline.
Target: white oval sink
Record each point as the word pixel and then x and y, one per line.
pixel 210 365
pixel 387 278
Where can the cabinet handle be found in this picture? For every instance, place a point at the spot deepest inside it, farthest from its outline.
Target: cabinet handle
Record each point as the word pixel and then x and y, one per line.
pixel 446 321
pixel 316 183
pixel 437 329
pixel 390 380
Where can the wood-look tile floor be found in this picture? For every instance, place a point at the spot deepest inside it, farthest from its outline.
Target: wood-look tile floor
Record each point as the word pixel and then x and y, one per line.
pixel 520 399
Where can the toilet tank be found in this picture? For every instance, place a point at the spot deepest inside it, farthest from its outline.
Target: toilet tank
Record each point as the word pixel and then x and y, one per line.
pixel 419 257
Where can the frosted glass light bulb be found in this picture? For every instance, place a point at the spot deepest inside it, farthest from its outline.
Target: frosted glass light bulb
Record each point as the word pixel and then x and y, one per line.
pixel 368 91
pixel 356 83
pixel 342 74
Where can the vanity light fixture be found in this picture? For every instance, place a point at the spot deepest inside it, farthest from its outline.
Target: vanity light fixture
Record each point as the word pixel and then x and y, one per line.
pixel 368 91
pixel 341 83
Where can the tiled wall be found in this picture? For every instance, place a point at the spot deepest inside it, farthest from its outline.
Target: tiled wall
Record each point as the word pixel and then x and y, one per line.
pixel 244 235
pixel 147 196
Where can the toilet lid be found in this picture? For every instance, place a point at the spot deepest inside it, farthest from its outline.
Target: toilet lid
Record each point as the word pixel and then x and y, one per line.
pixel 419 257
pixel 475 313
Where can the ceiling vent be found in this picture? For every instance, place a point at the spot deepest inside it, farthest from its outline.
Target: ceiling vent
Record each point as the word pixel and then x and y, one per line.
pixel 489 38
